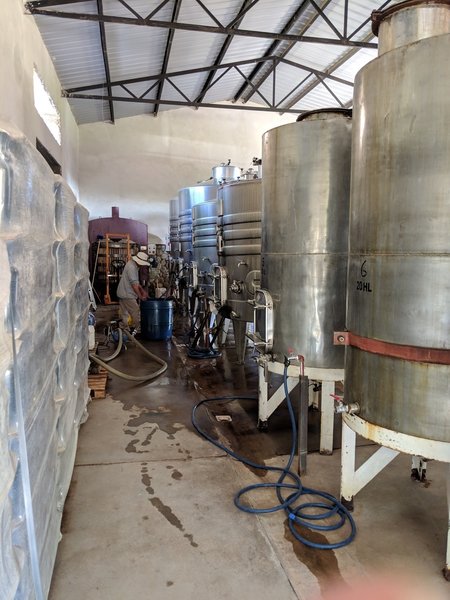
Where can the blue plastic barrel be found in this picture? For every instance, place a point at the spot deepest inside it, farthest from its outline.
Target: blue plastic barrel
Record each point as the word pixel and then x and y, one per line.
pixel 156 319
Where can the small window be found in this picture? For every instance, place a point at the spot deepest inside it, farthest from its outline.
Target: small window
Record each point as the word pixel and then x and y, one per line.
pixel 46 107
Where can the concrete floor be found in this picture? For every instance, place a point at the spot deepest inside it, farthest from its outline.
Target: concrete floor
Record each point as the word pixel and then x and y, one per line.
pixel 150 511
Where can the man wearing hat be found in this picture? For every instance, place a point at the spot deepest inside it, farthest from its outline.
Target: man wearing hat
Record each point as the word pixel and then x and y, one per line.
pixel 129 289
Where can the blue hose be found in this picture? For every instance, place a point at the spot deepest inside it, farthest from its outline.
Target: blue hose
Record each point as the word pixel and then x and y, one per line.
pixel 298 516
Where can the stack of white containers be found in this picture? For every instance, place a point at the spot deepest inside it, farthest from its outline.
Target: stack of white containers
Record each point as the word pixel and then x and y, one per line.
pixel 43 360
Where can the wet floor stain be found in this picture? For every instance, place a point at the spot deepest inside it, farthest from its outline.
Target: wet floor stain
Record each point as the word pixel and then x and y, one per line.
pixel 130 432
pixel 147 481
pixel 156 418
pixel 322 563
pixel 148 439
pixel 171 517
pixel 131 447
pixel 169 583
pixel 177 475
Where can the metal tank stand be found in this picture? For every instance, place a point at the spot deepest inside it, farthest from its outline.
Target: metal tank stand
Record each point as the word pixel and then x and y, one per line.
pixel 446 570
pixel 240 339
pixel 267 404
pixel 392 443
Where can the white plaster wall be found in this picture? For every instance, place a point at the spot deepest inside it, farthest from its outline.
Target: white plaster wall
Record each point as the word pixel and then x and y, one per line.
pixel 21 47
pixel 141 162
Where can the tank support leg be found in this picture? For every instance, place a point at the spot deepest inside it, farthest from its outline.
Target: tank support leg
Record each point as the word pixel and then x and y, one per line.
pixel 266 405
pixel 223 337
pixel 446 569
pixel 418 468
pixel 240 339
pixel 353 481
pixel 327 417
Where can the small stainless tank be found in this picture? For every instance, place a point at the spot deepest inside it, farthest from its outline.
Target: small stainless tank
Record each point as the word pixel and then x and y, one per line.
pixel 306 191
pixel 189 197
pixel 173 229
pixel 204 241
pixel 397 365
pixel 225 172
pixel 240 250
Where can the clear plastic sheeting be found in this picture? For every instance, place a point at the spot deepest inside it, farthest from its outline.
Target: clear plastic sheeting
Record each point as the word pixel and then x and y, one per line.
pixel 43 361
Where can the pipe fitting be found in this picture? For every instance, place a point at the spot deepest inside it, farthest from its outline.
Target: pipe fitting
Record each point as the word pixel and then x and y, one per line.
pixel 236 287
pixel 341 407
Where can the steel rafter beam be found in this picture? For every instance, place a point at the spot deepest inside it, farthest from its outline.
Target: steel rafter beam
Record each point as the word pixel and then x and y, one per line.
pixel 337 63
pixel 132 97
pixel 209 13
pixel 223 66
pixel 175 13
pixel 328 21
pixel 241 14
pixel 275 46
pixel 51 3
pixel 330 91
pixel 345 18
pixel 128 7
pixel 101 26
pixel 154 11
pixel 328 71
pixel 269 35
pixel 179 103
pixel 226 44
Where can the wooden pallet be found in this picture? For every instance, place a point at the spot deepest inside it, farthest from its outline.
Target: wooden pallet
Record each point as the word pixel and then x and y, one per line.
pixel 97 382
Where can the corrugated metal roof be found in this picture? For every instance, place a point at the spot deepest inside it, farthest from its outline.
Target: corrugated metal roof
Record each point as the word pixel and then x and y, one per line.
pixel 138 52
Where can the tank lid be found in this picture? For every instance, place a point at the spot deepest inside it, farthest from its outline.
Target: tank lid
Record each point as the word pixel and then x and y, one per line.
pixel 378 16
pixel 324 113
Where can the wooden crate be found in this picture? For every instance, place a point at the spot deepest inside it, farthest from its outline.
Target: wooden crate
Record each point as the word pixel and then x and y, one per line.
pixel 97 382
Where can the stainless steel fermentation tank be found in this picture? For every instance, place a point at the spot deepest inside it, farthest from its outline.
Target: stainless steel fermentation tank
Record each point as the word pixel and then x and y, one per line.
pixel 239 239
pixel 397 367
pixel 174 229
pixel 398 356
pixel 204 241
pixel 306 190
pixel 189 197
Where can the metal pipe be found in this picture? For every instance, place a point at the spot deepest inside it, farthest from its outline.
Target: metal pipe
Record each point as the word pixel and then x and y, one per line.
pixel 303 424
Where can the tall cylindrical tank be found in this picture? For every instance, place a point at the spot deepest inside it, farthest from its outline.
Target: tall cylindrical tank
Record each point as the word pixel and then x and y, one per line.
pixel 306 191
pixel 174 227
pixel 239 224
pixel 397 363
pixel 189 197
pixel 204 242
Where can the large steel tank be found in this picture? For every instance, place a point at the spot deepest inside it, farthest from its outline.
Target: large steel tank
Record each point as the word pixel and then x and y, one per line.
pixel 397 363
pixel 189 197
pixel 306 192
pixel 239 224
pixel 173 229
pixel 204 241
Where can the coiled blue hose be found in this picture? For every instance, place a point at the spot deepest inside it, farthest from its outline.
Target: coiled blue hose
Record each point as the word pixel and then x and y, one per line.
pixel 298 516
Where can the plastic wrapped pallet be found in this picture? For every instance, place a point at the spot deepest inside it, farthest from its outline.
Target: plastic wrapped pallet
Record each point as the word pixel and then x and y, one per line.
pixel 43 361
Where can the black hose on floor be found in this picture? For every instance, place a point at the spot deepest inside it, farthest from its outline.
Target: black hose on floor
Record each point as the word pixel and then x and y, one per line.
pixel 329 507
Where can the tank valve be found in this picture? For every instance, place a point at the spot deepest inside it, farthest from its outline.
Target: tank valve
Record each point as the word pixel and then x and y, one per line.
pixel 236 287
pixel 341 407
